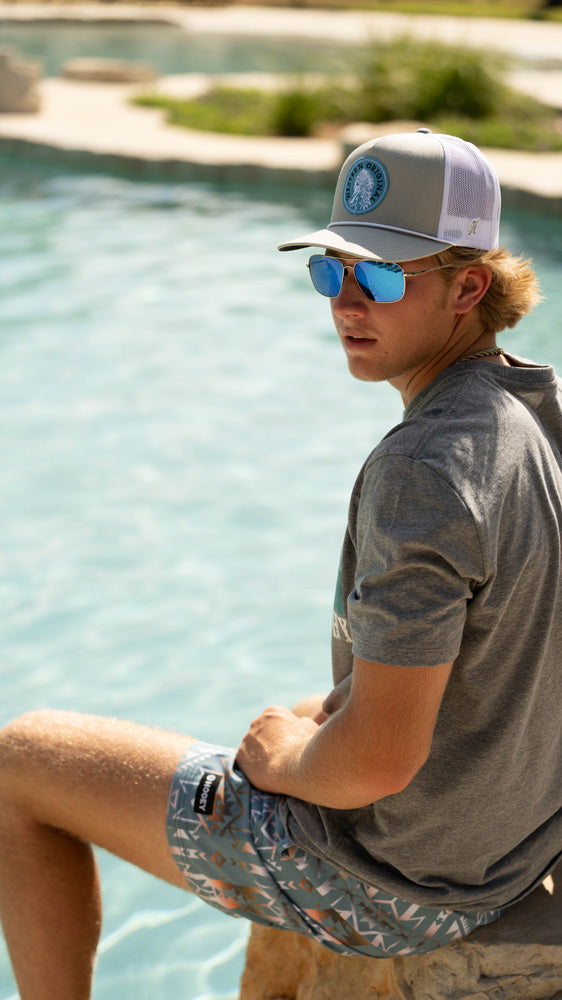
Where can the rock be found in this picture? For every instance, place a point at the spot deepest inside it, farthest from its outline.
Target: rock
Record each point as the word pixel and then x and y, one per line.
pixel 19 79
pixel 107 71
pixel 517 958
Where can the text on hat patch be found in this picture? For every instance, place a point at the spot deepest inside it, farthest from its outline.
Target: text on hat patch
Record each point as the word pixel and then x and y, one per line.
pixel 365 185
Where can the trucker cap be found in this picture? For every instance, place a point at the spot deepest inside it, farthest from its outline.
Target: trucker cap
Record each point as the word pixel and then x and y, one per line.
pixel 410 195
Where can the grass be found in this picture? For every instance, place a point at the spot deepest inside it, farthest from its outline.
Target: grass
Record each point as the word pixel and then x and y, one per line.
pixel 454 8
pixel 222 109
pixel 245 111
pixel 450 88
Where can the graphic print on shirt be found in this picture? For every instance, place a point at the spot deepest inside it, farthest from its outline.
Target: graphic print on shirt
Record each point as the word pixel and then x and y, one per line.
pixel 340 628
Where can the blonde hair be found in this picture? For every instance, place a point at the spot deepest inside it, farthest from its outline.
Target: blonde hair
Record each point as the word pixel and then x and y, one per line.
pixel 514 290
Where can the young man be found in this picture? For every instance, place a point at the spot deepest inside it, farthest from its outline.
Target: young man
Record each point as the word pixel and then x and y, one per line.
pixel 424 794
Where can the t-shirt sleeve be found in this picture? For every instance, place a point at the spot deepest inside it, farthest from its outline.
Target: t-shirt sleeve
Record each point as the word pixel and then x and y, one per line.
pixel 418 560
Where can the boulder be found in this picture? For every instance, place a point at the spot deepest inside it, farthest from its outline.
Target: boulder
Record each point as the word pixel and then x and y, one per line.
pixel 107 71
pixel 19 80
pixel 517 958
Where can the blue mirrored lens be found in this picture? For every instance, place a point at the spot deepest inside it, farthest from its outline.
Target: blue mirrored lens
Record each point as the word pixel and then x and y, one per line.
pixel 378 280
pixel 326 274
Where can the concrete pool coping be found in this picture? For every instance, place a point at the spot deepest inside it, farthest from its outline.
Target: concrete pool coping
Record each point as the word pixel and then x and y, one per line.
pixel 94 123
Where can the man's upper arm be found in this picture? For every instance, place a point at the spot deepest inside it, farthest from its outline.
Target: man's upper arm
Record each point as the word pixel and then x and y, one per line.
pixel 390 716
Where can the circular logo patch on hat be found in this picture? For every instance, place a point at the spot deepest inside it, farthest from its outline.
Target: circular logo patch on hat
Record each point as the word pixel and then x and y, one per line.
pixel 365 185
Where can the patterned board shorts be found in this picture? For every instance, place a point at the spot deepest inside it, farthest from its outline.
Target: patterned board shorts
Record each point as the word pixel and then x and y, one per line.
pixel 230 845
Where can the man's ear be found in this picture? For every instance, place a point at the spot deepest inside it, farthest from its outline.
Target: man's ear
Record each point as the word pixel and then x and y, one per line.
pixel 469 287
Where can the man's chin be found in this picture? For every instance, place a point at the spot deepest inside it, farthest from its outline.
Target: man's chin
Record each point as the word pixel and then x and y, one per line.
pixel 362 374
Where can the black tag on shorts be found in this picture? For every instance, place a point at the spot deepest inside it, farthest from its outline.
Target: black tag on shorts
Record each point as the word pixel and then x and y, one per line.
pixel 206 791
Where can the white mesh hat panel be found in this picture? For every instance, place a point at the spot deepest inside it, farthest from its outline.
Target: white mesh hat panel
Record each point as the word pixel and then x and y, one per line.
pixel 471 197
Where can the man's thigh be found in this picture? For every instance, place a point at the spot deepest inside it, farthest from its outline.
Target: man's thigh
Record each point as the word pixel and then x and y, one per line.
pixel 104 781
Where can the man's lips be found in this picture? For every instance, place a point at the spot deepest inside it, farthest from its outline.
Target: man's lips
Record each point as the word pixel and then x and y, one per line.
pixel 351 339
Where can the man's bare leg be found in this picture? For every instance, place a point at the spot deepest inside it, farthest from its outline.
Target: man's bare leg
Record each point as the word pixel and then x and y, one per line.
pixel 67 781
pixel 311 707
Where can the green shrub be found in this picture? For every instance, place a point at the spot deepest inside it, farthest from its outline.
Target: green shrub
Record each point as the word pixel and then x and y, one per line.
pixel 449 88
pixel 289 112
pixel 455 90
pixel 502 133
pixel 294 113
pixel 415 80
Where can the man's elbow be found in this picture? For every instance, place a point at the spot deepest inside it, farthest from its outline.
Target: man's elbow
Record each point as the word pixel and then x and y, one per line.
pixel 399 779
pixel 368 785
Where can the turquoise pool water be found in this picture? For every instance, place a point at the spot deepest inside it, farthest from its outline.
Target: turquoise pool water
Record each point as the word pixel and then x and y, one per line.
pixel 166 47
pixel 179 437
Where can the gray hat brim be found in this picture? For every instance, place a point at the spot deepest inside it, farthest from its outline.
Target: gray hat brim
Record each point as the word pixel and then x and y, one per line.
pixel 370 242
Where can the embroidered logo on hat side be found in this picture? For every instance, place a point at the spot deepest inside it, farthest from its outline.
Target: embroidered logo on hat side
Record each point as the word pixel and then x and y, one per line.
pixel 365 186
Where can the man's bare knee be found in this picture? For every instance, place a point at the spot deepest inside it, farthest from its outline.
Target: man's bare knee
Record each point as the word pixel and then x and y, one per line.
pixel 18 740
pixel 45 756
pixel 311 707
pixel 21 748
pixel 100 780
pixel 28 735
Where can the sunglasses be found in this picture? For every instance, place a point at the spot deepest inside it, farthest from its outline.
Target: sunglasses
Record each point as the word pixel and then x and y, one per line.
pixel 379 280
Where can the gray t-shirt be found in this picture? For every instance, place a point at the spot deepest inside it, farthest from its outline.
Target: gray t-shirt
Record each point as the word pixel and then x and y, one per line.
pixel 453 552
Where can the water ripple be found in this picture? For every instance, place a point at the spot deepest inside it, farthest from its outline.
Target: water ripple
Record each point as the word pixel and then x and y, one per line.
pixel 145 919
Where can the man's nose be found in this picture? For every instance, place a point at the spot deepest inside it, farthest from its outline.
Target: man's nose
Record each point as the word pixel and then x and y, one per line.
pixel 350 295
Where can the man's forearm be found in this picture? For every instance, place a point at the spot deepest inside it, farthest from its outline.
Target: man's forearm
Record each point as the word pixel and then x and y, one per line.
pixel 370 747
pixel 322 764
pixel 336 770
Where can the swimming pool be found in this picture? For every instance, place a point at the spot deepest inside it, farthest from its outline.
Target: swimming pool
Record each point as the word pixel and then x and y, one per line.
pixel 168 48
pixel 180 436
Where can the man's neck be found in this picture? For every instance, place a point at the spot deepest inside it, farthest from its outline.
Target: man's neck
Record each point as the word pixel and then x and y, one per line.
pixel 467 338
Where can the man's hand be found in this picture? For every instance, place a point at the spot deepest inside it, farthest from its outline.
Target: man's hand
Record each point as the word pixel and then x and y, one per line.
pixel 271 751
pixel 371 744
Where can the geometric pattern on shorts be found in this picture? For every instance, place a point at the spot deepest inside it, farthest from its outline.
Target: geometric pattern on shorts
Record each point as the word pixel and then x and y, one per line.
pixel 240 859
